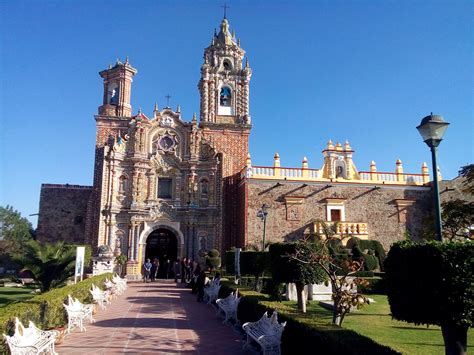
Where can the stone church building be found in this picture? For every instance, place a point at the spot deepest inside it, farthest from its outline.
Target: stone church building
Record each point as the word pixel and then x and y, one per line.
pixel 169 187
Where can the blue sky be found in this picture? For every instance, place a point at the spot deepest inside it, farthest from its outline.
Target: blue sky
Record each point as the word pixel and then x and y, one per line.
pixel 366 71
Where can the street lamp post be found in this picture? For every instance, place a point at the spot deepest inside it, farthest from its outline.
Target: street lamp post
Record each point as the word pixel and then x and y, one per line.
pixel 432 129
pixel 262 214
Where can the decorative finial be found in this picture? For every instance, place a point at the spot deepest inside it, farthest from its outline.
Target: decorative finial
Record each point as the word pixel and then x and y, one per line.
pixel 156 106
pixel 168 97
pixel 238 42
pixel 215 32
pixel 178 109
pixel 139 111
pixel 194 117
pixel 246 62
pixel 233 33
pixel 126 60
pixel 110 65
pixel 276 156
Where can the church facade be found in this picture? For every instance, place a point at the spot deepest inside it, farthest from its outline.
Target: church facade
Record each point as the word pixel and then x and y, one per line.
pixel 168 187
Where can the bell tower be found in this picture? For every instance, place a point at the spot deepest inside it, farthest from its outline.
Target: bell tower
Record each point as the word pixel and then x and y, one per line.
pixel 224 84
pixel 117 90
pixel 225 122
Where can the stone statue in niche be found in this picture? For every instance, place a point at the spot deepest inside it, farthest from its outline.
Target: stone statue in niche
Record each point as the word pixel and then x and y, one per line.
pixel 118 244
pixel 202 246
pixel 204 187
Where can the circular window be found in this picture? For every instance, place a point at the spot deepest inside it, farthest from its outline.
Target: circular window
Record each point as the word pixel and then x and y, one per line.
pixel 166 143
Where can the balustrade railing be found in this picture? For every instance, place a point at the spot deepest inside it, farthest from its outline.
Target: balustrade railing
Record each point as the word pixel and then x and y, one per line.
pixel 266 172
pixel 356 229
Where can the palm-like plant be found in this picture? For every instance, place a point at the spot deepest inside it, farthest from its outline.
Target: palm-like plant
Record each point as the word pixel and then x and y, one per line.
pixel 50 264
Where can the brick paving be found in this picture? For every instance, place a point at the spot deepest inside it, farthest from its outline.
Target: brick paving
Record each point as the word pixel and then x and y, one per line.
pixel 158 318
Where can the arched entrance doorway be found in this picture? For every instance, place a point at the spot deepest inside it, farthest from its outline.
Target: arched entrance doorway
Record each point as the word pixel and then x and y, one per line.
pixel 163 245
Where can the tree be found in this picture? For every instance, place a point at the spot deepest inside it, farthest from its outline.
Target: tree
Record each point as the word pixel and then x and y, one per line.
pixel 121 260
pixel 432 283
pixel 286 269
pixel 344 291
pixel 15 231
pixel 457 219
pixel 467 172
pixel 254 263
pixel 50 264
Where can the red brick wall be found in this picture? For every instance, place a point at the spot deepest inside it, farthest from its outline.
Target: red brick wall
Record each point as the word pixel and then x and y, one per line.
pixel 234 148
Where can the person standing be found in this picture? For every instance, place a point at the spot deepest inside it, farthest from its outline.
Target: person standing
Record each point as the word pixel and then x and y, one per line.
pixel 183 270
pixel 200 283
pixel 176 267
pixel 167 268
pixel 147 268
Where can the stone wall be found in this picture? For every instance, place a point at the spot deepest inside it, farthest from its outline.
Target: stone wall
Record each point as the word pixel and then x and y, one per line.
pixel 63 213
pixel 387 221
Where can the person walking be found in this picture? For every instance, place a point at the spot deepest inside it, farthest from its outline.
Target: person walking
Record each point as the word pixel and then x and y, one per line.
pixel 154 269
pixel 147 268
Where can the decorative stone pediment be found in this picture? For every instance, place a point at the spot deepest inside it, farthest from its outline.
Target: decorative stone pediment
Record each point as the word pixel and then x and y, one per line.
pixel 163 164
pixel 161 211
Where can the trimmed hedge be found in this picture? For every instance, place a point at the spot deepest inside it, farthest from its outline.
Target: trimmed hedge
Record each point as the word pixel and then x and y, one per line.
pixel 300 334
pixel 230 262
pixel 431 282
pixel 46 310
pixel 375 245
pixel 375 285
pixel 213 259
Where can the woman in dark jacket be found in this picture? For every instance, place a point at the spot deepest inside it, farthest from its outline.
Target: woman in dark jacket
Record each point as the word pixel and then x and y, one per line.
pixel 200 283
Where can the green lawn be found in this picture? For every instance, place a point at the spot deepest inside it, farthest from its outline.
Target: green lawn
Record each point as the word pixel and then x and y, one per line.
pixel 374 321
pixel 11 294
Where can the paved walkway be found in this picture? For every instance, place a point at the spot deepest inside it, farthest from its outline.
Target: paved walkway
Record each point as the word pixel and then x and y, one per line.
pixel 159 318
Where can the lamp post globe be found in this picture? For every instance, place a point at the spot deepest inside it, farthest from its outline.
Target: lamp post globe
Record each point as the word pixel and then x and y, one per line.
pixel 432 129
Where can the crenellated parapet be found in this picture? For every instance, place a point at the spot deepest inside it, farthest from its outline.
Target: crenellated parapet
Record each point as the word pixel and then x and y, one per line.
pixel 338 167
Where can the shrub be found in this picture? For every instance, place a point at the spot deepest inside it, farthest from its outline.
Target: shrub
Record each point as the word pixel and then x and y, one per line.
pixel 230 262
pixel 254 263
pixel 432 283
pixel 359 246
pixel 46 310
pixel 373 285
pixel 213 259
pixel 370 262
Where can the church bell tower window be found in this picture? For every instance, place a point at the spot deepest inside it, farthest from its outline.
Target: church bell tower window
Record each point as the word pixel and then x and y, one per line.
pixel 226 64
pixel 113 94
pixel 226 96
